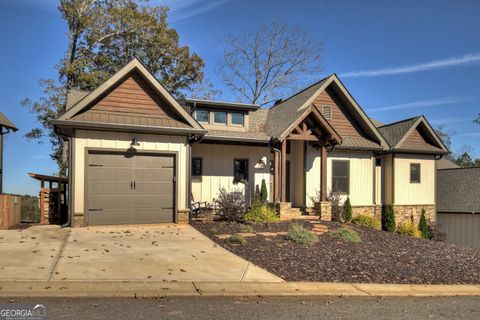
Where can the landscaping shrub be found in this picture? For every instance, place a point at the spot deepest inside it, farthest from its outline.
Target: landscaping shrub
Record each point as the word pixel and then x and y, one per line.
pixel 231 205
pixel 264 192
pixel 388 220
pixel 298 234
pixel 259 212
pixel 423 226
pixel 247 229
pixel 435 233
pixel 236 239
pixel 409 228
pixel 347 210
pixel 335 204
pixel 346 235
pixel 366 221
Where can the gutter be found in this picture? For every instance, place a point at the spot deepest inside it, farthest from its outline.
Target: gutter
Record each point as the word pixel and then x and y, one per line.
pixel 128 128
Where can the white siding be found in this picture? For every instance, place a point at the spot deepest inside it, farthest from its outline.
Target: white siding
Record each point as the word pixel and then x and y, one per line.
pixel 361 175
pixel 407 193
pixel 296 174
pixel 121 141
pixel 218 169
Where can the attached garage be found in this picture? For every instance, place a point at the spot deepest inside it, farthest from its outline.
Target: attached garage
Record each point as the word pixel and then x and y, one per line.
pixel 129 187
pixel 129 152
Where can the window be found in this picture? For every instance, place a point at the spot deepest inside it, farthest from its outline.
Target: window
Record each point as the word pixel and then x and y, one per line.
pixel 327 112
pixel 240 170
pixel 197 167
pixel 237 118
pixel 202 115
pixel 220 117
pixel 341 176
pixel 414 172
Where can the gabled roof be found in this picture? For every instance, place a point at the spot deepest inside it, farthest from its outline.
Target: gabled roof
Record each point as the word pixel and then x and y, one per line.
pixel 132 66
pixel 444 163
pixel 457 190
pixel 285 113
pixel 397 133
pixel 4 122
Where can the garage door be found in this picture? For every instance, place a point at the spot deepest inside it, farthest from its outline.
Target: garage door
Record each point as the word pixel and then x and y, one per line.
pixel 126 188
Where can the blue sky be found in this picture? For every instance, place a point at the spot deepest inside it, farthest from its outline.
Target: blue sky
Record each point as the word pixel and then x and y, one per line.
pixel 398 59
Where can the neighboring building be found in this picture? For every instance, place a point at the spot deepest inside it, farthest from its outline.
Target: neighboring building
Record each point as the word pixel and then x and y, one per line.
pixel 138 155
pixel 458 206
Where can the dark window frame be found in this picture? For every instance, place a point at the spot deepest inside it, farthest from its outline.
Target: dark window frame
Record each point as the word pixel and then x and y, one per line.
pixel 246 173
pixel 237 124
pixel 413 178
pixel 201 167
pixel 220 123
pixel 347 177
pixel 208 113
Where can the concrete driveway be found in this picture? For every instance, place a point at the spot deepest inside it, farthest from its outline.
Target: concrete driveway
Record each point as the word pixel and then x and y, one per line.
pixel 165 252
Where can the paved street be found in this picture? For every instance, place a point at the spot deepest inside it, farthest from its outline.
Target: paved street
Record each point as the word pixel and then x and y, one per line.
pixel 203 308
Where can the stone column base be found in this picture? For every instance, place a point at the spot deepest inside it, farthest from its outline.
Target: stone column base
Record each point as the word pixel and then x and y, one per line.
pixel 287 212
pixel 325 210
pixel 183 216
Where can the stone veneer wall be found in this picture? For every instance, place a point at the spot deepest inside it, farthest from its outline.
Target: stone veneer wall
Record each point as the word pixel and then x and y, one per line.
pixel 372 211
pixel 403 213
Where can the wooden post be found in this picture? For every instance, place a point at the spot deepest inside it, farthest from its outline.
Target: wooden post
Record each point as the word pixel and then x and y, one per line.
pixel 276 174
pixel 323 178
pixel 1 160
pixel 284 171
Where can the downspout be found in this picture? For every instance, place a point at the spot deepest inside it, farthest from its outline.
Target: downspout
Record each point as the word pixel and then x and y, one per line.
pixel 70 187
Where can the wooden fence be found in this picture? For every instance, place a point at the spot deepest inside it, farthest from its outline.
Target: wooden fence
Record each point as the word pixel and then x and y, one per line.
pixel 10 208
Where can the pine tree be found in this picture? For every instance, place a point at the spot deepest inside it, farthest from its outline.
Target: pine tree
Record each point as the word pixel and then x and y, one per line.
pixel 264 192
pixel 423 226
pixel 388 221
pixel 347 211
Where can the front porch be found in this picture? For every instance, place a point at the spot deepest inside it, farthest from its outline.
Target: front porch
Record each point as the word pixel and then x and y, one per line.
pixel 300 167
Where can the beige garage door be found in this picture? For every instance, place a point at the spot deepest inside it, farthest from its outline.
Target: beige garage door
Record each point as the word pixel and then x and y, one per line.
pixel 126 188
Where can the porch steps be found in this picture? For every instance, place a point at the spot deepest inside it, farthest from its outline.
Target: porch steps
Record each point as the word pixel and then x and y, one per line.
pixel 319 228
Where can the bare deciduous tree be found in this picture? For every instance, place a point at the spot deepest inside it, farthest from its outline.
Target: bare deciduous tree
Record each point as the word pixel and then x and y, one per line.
pixel 270 61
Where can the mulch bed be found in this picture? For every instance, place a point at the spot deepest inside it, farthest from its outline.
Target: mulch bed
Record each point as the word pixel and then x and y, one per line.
pixel 381 257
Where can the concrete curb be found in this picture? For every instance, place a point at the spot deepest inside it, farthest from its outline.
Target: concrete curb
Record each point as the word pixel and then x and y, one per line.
pixel 162 288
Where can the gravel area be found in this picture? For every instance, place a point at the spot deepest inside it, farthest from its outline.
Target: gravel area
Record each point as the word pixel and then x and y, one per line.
pixel 381 257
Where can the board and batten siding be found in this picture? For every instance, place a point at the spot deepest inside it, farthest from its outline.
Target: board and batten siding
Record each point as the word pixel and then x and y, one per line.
pixel 361 176
pixel 121 141
pixel 406 193
pixel 217 171
pixel 461 228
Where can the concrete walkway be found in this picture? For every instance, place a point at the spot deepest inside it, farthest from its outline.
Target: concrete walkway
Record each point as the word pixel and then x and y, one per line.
pixel 166 252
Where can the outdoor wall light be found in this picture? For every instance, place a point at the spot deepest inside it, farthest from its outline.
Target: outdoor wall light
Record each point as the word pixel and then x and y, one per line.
pixel 135 142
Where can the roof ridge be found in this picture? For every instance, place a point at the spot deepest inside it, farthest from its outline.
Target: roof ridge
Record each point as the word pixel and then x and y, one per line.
pixel 475 167
pixel 303 90
pixel 399 121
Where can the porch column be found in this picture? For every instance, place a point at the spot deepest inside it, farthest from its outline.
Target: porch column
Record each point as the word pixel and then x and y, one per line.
pixel 323 178
pixel 276 174
pixel 284 171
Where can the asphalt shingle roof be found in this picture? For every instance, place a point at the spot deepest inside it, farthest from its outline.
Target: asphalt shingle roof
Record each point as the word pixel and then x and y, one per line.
pixel 4 122
pixel 284 114
pixel 394 132
pixel 458 191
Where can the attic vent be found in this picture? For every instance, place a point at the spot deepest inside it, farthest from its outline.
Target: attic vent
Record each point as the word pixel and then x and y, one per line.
pixel 327 112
